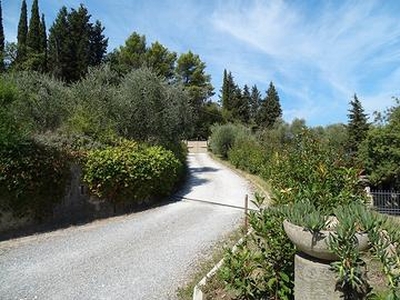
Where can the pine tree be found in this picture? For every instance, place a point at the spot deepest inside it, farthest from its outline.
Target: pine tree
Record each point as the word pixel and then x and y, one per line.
pixel 191 73
pixel 357 126
pixel 33 36
pixel 22 33
pixel 132 54
pixel 270 110
pixel 2 52
pixel 161 60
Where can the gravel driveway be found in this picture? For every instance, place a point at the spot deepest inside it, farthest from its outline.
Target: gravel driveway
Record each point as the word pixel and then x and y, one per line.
pixel 145 255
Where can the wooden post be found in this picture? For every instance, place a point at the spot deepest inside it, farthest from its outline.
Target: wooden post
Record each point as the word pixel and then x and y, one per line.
pixel 246 217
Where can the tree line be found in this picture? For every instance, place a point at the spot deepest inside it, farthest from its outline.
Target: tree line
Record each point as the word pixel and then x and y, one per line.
pixel 73 44
pixel 247 105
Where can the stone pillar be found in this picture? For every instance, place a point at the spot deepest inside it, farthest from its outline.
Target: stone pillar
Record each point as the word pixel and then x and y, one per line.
pixel 313 279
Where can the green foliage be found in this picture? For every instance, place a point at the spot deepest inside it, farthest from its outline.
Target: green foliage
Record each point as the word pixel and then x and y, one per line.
pixel 10 130
pixel 43 45
pixel 270 110
pixel 42 101
pixel 357 126
pixel 227 91
pixel 2 45
pixel 22 33
pixel 32 38
pixel 262 267
pixel 210 114
pixel 160 60
pixel 350 266
pixel 92 110
pixel 129 172
pixel 32 178
pixel 247 154
pixel 223 138
pixel 305 214
pixel 380 151
pixel 191 73
pixel 385 240
pixel 336 136
pixel 255 101
pixel 309 170
pixel 236 103
pixel 152 110
pixel 241 105
pixel 97 44
pixel 75 44
pixel 131 56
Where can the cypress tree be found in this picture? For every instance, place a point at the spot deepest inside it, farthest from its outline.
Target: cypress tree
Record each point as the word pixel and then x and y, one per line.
pixel 33 36
pixel 270 110
pixel 98 44
pixel 60 46
pixel 43 43
pixel 22 33
pixel 79 35
pixel 75 44
pixel 357 126
pixel 228 91
pixel 1 40
pixel 255 101
pixel 240 105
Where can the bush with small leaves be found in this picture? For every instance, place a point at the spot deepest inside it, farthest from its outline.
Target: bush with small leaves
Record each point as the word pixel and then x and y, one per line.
pixel 130 172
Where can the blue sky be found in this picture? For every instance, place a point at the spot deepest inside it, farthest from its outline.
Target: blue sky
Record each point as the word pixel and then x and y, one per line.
pixel 317 53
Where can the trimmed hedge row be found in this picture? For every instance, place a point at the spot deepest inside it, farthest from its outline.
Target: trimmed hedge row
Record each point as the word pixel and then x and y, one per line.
pixel 131 173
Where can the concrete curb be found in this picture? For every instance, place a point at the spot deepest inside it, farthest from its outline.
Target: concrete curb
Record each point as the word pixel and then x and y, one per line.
pixel 197 292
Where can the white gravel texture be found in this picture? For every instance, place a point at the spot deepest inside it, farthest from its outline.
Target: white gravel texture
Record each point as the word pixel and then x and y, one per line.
pixel 146 255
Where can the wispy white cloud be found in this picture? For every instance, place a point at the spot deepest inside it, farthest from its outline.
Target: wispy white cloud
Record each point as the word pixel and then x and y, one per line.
pixel 334 45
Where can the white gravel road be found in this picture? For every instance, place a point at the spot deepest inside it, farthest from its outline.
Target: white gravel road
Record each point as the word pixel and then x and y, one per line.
pixel 145 255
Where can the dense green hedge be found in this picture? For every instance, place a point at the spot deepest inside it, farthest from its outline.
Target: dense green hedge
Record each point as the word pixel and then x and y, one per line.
pixel 32 178
pixel 247 154
pixel 131 172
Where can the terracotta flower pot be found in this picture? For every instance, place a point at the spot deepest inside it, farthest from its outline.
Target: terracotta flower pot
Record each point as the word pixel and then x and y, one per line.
pixel 316 244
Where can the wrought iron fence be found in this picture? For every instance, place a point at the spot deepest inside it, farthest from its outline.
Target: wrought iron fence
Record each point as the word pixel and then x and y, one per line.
pixel 387 202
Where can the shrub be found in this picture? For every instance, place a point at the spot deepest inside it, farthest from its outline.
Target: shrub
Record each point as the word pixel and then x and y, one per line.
pixel 10 130
pixel 310 170
pixel 92 108
pixel 42 101
pixel 223 138
pixel 263 266
pixel 152 110
pixel 131 173
pixel 247 154
pixel 380 151
pixel 32 178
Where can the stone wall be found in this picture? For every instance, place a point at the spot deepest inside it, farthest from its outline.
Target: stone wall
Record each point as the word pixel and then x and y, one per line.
pixel 77 206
